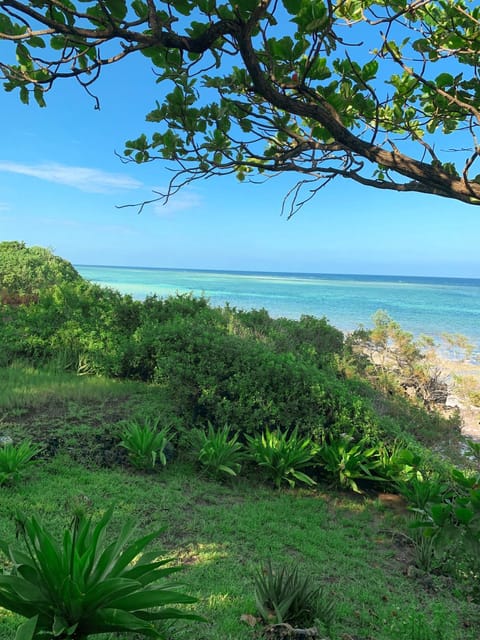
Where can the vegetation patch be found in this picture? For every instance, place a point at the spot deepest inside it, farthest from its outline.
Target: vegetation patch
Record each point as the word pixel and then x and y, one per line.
pixel 240 453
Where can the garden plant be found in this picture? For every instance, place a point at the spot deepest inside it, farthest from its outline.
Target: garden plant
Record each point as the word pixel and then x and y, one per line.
pixel 283 456
pixel 15 459
pixel 85 584
pixel 146 443
pixel 220 453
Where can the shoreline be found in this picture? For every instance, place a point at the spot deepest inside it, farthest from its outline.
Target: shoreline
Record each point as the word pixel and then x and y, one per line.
pixel 420 305
pixel 462 377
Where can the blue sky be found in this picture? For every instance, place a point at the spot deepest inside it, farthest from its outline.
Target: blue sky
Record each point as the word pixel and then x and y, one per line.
pixel 60 182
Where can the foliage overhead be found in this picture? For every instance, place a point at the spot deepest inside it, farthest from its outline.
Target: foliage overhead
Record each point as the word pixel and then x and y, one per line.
pixel 382 92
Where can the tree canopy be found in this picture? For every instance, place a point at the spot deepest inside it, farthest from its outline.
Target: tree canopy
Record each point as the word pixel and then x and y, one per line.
pixel 385 93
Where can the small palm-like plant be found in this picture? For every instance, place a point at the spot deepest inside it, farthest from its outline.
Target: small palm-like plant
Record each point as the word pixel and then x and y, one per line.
pixel 220 453
pixel 145 443
pixel 86 585
pixel 283 456
pixel 397 463
pixel 283 596
pixel 349 461
pixel 419 491
pixel 14 459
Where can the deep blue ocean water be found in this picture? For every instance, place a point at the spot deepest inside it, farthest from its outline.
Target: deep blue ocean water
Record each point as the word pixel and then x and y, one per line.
pixel 421 305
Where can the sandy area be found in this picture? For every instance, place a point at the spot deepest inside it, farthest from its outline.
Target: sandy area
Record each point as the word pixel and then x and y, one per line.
pixel 463 378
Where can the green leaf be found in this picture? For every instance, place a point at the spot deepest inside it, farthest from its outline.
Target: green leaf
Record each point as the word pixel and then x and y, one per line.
pixel 282 49
pixel 38 95
pixel 26 631
pixel 464 515
pixel 96 14
pixel 422 45
pixel 140 8
pixel 6 25
pixel 293 6
pixel 440 513
pixel 58 15
pixel 114 619
pixel 183 6
pixel 36 41
pixel 105 591
pixel 118 8
pixel 58 42
pixel 444 80
pixel 150 598
pixel 24 95
pixel 370 70
pixel 319 70
pixel 207 6
pixel 299 475
pixel 23 55
pixel 59 625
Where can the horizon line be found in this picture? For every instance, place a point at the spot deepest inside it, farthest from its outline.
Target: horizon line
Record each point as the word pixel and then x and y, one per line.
pixel 283 273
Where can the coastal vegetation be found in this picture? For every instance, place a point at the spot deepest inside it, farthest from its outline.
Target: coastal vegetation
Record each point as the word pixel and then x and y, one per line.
pixel 264 457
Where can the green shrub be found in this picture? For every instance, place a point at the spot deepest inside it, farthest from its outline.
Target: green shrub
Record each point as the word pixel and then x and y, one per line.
pixel 348 461
pixel 314 338
pixel 228 379
pixel 26 271
pixel 282 456
pixel 145 443
pixel 450 519
pixel 283 596
pixel 219 452
pixel 15 459
pixel 398 464
pixel 219 365
pixel 86 585
pixel 420 492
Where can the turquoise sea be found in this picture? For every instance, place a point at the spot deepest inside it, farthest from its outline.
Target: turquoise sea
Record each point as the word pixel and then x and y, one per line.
pixel 421 305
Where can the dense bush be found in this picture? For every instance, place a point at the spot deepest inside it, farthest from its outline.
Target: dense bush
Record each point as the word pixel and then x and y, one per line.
pixel 314 338
pixel 25 271
pixel 70 323
pixel 228 379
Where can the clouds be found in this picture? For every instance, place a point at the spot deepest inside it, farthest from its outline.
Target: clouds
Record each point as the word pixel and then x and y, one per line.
pixel 181 201
pixel 82 178
pixel 91 180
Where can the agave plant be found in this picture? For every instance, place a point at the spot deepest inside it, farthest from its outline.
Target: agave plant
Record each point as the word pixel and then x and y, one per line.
pixel 220 453
pixel 86 585
pixel 282 595
pixel 283 456
pixel 14 459
pixel 145 443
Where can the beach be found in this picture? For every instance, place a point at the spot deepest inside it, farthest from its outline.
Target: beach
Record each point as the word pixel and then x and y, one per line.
pixel 454 372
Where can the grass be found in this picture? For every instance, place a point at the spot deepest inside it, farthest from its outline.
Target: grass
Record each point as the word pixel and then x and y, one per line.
pixel 222 533
pixel 23 387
